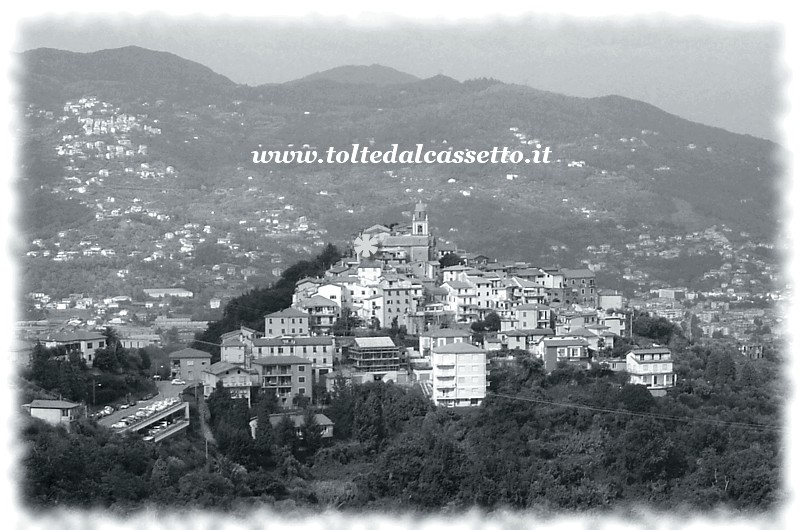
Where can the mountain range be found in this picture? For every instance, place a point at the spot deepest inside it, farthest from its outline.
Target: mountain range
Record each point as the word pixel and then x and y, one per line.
pixel 619 164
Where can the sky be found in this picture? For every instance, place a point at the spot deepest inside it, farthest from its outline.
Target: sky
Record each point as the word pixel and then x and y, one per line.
pixel 714 72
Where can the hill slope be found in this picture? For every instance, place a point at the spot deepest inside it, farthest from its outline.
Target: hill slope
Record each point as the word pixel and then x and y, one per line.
pixel 615 161
pixel 374 74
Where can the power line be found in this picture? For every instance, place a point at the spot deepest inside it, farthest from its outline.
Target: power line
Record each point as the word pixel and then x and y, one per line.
pixel 743 425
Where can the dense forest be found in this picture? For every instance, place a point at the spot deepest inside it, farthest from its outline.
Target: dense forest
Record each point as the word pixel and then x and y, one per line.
pixel 249 309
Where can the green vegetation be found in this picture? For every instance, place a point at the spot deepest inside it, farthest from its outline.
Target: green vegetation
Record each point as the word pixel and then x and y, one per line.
pixel 249 309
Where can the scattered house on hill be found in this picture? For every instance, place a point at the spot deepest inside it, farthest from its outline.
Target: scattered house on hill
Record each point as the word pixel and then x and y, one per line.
pixel 55 411
pixel 569 350
pixel 188 364
pixel 84 342
pixel 651 367
pixel 299 422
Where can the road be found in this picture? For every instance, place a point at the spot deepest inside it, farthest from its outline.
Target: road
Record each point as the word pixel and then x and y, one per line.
pixel 165 390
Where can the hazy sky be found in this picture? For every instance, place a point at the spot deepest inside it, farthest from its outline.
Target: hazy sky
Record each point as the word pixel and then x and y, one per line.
pixel 727 76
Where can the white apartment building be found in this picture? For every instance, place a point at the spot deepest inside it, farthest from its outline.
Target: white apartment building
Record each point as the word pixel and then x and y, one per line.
pixel 459 375
pixel 651 367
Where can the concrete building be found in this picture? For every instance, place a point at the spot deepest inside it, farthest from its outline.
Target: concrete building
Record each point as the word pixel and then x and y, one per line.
pixel 322 314
pixel 375 354
pixel 237 379
pixel 188 364
pixel 459 375
pixel 319 350
pixel 84 342
pixel 289 321
pixel 285 375
pixel 651 367
pixel 55 411
pixel 440 337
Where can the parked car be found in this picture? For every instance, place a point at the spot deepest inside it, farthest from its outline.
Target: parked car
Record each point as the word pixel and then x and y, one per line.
pixel 119 425
pixel 124 406
pixel 178 382
pixel 149 438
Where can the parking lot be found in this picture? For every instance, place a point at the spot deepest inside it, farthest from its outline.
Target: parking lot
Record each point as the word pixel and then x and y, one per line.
pixel 165 390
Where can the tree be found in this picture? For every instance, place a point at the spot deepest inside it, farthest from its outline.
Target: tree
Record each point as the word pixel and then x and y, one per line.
pixel 286 433
pixel 492 321
pixel 636 398
pixel 368 420
pixel 449 260
pixel 311 433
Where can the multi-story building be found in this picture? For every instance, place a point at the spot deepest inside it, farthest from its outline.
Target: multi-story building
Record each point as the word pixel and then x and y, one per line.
pixel 571 350
pixel 289 321
pixel 85 342
pixel 532 316
pixel 651 367
pixel 285 375
pixel 236 378
pixel 319 350
pixel 461 300
pixel 322 314
pixel 459 375
pixel 437 338
pixel 233 350
pixel 188 364
pixel 580 287
pixel 375 354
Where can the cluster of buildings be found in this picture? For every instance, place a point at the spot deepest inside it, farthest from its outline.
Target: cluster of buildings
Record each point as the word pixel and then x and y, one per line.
pixel 555 314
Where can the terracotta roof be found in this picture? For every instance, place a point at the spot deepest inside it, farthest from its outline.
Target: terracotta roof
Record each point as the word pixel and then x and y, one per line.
pixel 52 404
pixel 189 353
pixel 288 312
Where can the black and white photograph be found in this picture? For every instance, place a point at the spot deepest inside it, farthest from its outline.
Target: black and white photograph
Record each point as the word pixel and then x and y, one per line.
pixel 438 267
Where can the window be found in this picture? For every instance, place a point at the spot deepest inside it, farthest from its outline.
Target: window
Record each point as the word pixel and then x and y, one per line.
pixel 190 363
pixel 64 413
pixel 304 349
pixel 301 379
pixel 100 344
pixel 324 349
pixel 89 345
pixel 282 321
pixel 302 391
pixel 301 368
pixel 324 360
